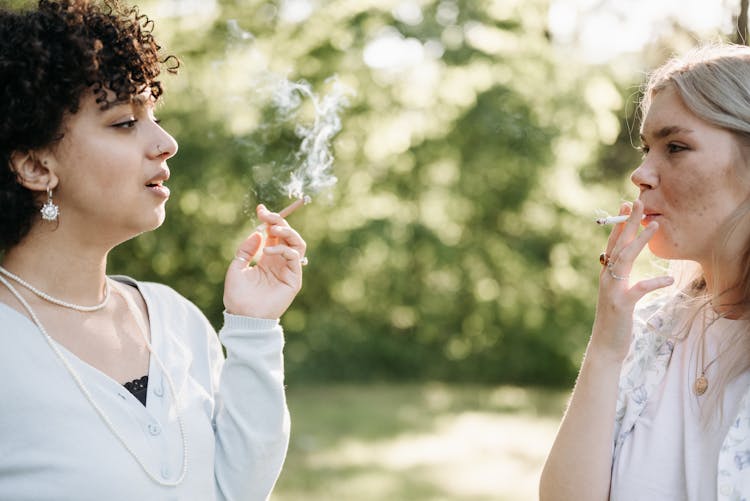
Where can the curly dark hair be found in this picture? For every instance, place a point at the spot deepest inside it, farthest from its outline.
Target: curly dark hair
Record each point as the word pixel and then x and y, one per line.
pixel 49 56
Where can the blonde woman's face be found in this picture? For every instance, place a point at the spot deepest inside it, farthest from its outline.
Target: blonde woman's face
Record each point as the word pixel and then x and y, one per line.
pixel 688 179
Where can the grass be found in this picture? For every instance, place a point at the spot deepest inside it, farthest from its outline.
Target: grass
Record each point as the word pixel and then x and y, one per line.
pixel 417 442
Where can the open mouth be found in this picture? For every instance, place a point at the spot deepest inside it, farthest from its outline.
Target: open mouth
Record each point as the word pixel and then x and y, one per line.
pixel 158 188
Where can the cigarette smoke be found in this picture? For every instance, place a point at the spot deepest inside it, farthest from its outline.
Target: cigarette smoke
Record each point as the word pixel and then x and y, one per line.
pixel 313 170
pixel 290 148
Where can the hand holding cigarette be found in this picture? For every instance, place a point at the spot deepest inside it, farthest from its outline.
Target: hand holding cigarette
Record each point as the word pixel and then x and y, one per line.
pixel 284 213
pixel 266 272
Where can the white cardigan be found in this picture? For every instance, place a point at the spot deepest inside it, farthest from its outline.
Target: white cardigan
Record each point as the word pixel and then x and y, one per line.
pixel 53 445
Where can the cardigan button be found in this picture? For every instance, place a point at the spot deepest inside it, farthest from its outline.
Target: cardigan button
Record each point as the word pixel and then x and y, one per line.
pixel 154 429
pixel 165 471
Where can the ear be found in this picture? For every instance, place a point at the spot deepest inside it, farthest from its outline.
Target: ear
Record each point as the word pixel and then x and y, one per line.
pixel 33 170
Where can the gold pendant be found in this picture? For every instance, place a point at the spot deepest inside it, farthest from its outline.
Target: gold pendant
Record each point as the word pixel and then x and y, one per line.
pixel 701 385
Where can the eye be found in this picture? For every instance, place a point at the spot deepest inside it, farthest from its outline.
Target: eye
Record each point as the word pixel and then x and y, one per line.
pixel 675 148
pixel 643 149
pixel 126 124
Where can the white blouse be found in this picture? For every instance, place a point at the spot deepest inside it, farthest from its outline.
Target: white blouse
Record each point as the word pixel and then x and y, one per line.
pixel 672 452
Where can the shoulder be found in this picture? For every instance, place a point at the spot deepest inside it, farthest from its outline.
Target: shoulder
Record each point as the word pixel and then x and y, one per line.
pixel 157 293
pixel 166 304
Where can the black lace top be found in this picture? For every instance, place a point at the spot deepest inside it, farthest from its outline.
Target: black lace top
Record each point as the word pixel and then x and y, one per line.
pixel 138 388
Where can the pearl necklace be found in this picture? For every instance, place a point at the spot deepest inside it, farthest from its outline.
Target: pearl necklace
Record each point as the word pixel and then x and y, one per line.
pixel 54 300
pixel 79 382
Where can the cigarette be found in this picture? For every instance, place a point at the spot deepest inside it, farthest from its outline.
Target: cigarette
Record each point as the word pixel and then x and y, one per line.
pixel 285 212
pixel 302 200
pixel 613 219
pixel 288 210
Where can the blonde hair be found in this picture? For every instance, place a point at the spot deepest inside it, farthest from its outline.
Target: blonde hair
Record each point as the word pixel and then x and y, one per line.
pixel 713 82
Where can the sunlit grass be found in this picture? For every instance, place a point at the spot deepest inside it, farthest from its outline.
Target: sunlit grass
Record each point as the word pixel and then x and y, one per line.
pixel 417 442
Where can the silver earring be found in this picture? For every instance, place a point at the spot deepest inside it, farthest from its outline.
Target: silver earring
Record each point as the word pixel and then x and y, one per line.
pixel 49 210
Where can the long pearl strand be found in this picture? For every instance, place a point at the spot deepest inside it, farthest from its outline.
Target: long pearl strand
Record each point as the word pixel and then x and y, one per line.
pixel 54 300
pixel 107 421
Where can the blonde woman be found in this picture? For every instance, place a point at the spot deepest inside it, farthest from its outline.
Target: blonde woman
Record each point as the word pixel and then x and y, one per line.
pixel 661 408
pixel 115 389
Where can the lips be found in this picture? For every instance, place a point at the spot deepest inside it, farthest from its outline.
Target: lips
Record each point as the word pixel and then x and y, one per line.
pixel 156 183
pixel 649 215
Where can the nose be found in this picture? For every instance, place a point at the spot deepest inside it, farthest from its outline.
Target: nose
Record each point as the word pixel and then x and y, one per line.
pixel 645 177
pixel 165 145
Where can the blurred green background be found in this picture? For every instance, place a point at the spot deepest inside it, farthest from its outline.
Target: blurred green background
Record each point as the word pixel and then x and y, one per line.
pixel 453 267
pixel 477 146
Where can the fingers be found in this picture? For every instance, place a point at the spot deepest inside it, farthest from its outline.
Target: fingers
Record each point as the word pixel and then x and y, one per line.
pixel 624 233
pixel 291 273
pixel 614 235
pixel 247 250
pixel 268 217
pixel 630 228
pixel 288 236
pixel 629 252
pixel 645 286
pixel 620 265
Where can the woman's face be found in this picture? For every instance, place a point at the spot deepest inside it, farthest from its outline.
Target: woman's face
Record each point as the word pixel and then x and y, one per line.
pixel 111 166
pixel 690 179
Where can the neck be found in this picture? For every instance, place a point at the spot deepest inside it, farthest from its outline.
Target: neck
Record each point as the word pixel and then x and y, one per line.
pixel 65 270
pixel 722 285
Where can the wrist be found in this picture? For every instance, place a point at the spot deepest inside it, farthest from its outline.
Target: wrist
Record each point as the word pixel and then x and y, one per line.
pixel 602 354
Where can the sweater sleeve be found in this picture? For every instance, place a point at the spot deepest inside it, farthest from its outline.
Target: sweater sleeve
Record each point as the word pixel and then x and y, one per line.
pixel 251 419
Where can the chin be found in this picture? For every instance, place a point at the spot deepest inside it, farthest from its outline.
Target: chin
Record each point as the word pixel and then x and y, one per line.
pixel 662 250
pixel 152 223
pixel 159 216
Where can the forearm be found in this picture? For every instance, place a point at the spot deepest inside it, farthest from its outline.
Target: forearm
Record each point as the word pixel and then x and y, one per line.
pixel 579 464
pixel 252 421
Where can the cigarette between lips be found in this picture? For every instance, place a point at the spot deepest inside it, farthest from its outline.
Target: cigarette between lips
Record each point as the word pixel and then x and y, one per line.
pixel 614 219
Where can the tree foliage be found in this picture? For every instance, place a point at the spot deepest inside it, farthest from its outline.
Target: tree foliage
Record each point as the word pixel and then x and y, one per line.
pixel 457 243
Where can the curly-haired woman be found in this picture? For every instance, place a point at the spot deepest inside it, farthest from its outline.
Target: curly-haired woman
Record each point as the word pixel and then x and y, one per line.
pixel 113 388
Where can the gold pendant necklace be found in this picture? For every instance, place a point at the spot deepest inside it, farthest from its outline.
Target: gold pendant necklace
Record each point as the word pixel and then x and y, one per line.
pixel 701 384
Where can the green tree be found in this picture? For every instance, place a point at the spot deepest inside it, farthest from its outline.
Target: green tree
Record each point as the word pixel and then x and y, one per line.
pixel 447 249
